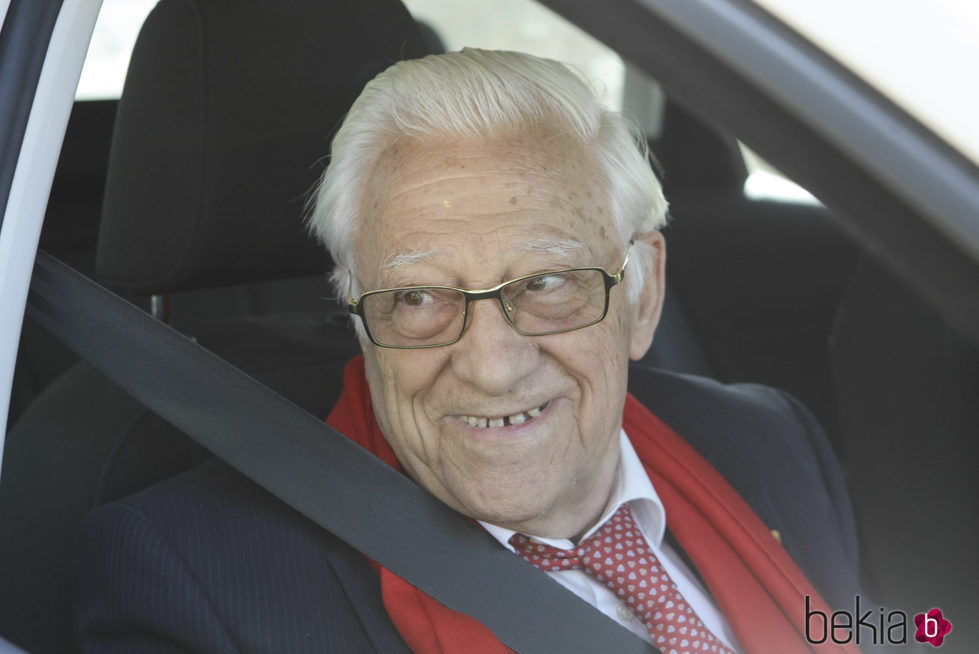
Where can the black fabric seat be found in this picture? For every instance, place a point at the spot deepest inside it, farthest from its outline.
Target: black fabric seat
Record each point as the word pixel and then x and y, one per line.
pixel 756 281
pixel 907 389
pixel 222 129
pixel 70 232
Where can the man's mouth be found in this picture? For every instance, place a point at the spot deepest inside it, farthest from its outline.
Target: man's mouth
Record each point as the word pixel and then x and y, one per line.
pixel 504 421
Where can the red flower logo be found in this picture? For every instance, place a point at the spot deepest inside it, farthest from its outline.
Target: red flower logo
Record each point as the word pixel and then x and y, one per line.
pixel 932 627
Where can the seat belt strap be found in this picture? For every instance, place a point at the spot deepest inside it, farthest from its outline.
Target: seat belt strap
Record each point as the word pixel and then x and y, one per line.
pixel 318 471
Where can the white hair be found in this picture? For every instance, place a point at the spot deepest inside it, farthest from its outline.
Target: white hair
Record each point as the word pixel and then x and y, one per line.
pixel 481 93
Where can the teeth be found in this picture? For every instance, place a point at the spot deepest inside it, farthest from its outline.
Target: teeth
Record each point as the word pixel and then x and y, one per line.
pixel 516 419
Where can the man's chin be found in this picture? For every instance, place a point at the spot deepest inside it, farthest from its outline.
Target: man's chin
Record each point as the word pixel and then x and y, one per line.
pixel 504 509
pixel 537 509
pixel 525 522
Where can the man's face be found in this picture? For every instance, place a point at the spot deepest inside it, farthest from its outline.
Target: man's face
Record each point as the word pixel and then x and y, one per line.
pixel 469 214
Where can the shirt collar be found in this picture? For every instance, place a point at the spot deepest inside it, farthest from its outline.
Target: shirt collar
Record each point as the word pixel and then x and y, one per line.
pixel 631 484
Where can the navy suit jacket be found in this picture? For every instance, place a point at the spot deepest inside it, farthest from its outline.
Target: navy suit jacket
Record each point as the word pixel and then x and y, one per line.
pixel 210 562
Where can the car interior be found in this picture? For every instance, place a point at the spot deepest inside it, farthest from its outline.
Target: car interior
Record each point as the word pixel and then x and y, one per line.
pixel 187 196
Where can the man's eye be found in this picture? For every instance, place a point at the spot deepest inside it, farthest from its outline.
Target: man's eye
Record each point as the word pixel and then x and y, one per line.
pixel 414 298
pixel 544 283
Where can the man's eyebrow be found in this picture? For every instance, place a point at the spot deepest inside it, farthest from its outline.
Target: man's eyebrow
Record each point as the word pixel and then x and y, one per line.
pixel 563 249
pixel 405 258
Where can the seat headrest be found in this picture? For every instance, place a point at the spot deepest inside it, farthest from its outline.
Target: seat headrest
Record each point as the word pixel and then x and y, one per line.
pixel 223 127
pixel 696 155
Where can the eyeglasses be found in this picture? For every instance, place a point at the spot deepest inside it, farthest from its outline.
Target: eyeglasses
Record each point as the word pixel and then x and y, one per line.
pixel 415 317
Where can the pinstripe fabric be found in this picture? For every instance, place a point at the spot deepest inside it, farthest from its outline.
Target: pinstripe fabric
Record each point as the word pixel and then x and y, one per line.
pixel 210 562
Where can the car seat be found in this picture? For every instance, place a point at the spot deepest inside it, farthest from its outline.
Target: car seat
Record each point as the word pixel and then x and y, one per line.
pixel 758 280
pixel 907 386
pixel 223 127
pixel 71 225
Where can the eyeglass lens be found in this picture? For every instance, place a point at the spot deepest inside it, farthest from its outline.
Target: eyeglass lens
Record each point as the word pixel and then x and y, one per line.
pixel 535 306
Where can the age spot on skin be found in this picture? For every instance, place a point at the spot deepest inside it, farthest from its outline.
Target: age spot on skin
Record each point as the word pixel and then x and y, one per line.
pixel 513 200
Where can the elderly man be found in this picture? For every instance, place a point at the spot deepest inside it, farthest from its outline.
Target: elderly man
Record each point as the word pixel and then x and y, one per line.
pixel 496 232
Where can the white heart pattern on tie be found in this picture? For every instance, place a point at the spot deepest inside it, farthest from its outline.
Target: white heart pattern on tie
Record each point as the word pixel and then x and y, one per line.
pixel 601 556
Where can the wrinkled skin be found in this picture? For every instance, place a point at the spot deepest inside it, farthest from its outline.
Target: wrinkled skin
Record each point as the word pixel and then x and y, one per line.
pixel 468 205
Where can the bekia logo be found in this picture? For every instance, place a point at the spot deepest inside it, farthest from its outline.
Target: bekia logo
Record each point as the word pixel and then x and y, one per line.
pixel 874 626
pixel 932 627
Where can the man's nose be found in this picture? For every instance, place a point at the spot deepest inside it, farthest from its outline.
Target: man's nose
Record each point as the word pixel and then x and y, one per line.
pixel 491 355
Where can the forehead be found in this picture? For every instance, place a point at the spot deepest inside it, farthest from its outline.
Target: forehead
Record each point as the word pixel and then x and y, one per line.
pixel 484 200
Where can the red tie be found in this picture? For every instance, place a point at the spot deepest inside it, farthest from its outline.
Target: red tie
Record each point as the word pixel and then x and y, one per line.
pixel 618 556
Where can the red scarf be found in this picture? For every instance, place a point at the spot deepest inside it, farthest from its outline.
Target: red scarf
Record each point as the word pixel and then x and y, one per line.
pixel 756 584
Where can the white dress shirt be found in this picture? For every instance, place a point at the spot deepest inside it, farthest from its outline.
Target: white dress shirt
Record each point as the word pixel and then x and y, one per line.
pixel 632 485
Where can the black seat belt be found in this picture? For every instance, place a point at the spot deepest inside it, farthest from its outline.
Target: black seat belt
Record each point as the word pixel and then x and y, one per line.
pixel 318 471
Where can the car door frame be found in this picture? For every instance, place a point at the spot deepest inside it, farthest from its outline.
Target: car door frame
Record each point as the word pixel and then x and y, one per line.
pixel 42 49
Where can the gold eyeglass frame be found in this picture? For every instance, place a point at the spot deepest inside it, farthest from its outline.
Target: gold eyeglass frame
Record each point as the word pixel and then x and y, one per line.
pixel 355 305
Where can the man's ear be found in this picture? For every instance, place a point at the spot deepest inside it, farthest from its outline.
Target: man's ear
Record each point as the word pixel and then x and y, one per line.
pixel 650 305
